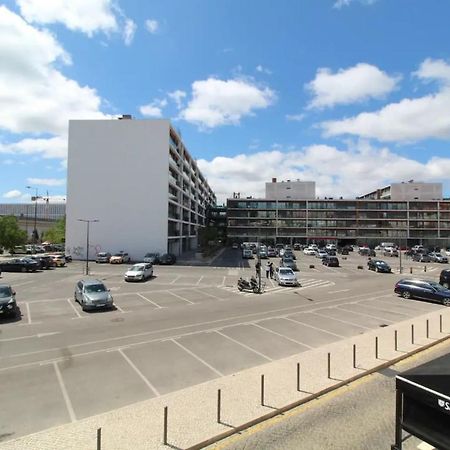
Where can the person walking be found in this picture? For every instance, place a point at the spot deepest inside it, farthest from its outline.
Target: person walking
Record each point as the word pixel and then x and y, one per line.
pixel 258 269
pixel 271 269
pixel 267 269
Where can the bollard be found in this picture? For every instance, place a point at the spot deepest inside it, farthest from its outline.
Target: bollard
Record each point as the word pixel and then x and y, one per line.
pixel 219 405
pixel 262 390
pixel 424 268
pixel 440 323
pixel 412 334
pixel 99 439
pixel 311 266
pixel 298 377
pixel 360 267
pixel 354 356
pixel 428 328
pixel 396 340
pixel 165 426
pixel 410 270
pixel 329 365
pixel 376 347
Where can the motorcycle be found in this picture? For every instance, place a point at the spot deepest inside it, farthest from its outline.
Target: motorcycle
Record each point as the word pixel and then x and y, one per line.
pixel 252 285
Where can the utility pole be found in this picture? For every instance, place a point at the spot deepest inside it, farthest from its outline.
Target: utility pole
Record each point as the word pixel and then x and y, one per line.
pixel 35 198
pixel 87 221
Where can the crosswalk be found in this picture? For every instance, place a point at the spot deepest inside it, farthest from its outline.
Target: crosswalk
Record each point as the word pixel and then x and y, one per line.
pixel 272 286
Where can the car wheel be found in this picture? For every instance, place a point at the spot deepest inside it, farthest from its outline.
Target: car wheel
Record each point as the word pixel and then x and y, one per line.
pixel 446 302
pixel 406 294
pixel 446 285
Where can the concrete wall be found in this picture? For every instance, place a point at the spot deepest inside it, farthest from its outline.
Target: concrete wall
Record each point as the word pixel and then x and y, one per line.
pixel 291 190
pixel 416 191
pixel 118 173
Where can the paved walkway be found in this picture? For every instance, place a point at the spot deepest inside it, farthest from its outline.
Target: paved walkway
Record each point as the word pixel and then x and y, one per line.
pixel 192 412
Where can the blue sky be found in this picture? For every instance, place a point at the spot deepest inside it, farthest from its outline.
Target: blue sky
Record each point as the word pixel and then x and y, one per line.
pixel 353 94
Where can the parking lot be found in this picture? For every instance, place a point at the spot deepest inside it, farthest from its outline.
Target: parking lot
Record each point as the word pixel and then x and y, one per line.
pixel 186 325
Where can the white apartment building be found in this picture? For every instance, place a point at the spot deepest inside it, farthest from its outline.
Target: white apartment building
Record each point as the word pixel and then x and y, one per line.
pixel 282 190
pixel 138 180
pixel 410 190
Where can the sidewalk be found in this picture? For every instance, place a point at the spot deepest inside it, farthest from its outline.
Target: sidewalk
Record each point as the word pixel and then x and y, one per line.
pixel 192 412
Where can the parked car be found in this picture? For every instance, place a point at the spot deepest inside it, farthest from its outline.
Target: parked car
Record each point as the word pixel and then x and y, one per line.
pixel 289 262
pixel 271 252
pixel 378 266
pixel 167 258
pixel 423 290
pixel 8 305
pixel 390 251
pixel 247 253
pixel 152 258
pixel 421 257
pixel 45 261
pixel 92 294
pixel 68 257
pixel 103 257
pixel 330 261
pixel 288 253
pixel 235 245
pixel 58 260
pixel 444 278
pixel 438 257
pixel 285 276
pixel 309 251
pixel 297 246
pixel 139 272
pixel 321 254
pixel 19 265
pixel 447 251
pixel 119 258
pixel 263 252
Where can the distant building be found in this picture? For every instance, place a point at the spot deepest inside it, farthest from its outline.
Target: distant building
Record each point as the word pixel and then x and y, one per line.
pixel 410 190
pixel 279 190
pixel 138 180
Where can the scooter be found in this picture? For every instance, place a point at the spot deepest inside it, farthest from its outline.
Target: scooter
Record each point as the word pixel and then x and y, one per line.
pixel 245 285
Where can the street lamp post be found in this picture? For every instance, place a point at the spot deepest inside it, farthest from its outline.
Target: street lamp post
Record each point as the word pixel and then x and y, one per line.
pixel 87 221
pixel 36 197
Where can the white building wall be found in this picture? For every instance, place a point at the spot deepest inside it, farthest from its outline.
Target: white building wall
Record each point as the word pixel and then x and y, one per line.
pixel 277 190
pixel 118 173
pixel 416 191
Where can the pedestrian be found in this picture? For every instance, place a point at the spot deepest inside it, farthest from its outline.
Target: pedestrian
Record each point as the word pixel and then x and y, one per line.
pixel 267 269
pixel 271 269
pixel 258 269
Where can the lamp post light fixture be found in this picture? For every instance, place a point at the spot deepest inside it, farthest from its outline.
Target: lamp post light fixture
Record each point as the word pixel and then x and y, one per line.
pixel 35 198
pixel 88 222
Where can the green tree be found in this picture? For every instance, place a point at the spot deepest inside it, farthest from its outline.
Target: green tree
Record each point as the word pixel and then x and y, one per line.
pixel 57 234
pixel 10 233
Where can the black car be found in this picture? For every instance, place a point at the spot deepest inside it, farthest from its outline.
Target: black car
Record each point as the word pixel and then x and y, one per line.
pixel 423 290
pixel 288 253
pixel 378 266
pixel 8 305
pixel 19 265
pixel 167 258
pixel 45 262
pixel 152 258
pixel 444 278
pixel 289 262
pixel 422 257
pixel 330 261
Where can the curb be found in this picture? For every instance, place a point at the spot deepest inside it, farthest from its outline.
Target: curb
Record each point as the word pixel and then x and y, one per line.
pixel 314 396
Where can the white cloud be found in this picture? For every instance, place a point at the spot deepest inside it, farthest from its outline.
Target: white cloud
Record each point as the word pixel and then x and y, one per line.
pixel 47 181
pixel 408 120
pixel 152 26
pixel 355 84
pixel 12 194
pixel 177 96
pixel 128 31
pixel 153 109
pixel 39 98
pixel 217 102
pixel 341 3
pixel 87 16
pixel 366 168
pixel 262 69
pixel 295 117
pixel 55 147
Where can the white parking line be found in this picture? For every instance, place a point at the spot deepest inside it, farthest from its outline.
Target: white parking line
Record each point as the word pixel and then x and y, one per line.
pixel 27 305
pixel 23 284
pixel 340 290
pixel 140 374
pixel 209 295
pixel 245 346
pixel 79 316
pixel 180 297
pixel 340 320
pixel 217 372
pixel 315 328
pixel 120 309
pixel 150 301
pixel 223 281
pixel 364 314
pixel 199 280
pixel 258 325
pixel 67 400
pixel 175 279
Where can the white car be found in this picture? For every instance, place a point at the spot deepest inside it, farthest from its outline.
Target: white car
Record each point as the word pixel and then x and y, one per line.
pixel 321 254
pixel 309 251
pixel 119 258
pixel 330 247
pixel 286 277
pixel 139 272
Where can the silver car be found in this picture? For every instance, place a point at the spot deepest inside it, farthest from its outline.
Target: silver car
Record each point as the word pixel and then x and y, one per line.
pixel 286 277
pixel 92 294
pixel 139 272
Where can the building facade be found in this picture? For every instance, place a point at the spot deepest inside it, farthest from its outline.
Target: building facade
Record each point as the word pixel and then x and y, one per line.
pixel 410 190
pixel 359 221
pixel 281 190
pixel 139 181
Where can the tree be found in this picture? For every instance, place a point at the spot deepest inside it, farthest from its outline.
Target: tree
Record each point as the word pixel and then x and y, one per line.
pixel 10 233
pixel 57 234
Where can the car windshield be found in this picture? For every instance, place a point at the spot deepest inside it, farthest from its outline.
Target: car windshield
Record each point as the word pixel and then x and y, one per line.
pixel 286 272
pixel 95 288
pixel 137 268
pixel 150 255
pixel 118 254
pixel 5 291
pixel 288 260
pixel 438 287
pixel 101 254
